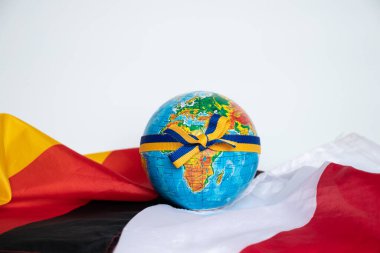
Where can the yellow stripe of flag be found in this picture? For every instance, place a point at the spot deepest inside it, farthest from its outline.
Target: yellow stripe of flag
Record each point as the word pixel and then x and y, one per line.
pixel 99 157
pixel 20 144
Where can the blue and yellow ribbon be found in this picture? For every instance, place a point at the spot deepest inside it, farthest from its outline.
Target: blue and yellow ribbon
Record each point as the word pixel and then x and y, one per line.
pixel 186 145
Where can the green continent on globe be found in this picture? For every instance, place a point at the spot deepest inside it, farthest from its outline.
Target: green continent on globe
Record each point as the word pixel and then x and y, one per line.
pixel 192 116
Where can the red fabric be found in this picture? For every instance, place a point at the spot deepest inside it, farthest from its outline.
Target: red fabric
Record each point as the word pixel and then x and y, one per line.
pixel 60 180
pixel 124 162
pixel 347 217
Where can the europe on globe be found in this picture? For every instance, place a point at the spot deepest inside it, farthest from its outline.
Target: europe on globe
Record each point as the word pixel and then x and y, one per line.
pixel 200 150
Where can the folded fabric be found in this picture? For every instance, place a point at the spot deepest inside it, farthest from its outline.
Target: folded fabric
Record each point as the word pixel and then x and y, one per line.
pixel 41 179
pixel 53 199
pixel 323 206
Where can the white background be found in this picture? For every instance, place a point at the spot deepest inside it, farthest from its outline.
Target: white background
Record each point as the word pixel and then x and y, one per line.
pixel 91 73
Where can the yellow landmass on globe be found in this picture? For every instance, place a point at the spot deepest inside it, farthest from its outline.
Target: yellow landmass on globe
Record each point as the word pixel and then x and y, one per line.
pixel 198 170
pixel 220 177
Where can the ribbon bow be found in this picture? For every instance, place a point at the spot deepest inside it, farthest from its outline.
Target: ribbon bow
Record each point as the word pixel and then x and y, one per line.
pixel 186 145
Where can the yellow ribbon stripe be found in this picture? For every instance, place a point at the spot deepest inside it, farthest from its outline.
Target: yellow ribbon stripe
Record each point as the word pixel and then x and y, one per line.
pixel 220 130
pixel 186 145
pixel 181 161
pixel 171 146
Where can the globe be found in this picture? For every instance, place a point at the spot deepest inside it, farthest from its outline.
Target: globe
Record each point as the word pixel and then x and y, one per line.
pixel 210 179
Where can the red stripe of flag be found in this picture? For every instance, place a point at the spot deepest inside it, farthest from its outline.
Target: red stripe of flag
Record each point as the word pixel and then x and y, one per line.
pixel 347 217
pixel 60 180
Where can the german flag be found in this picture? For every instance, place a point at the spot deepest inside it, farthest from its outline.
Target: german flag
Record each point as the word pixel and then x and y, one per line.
pixel 53 199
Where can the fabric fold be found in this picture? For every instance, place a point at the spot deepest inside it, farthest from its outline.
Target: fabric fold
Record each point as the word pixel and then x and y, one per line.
pixel 41 178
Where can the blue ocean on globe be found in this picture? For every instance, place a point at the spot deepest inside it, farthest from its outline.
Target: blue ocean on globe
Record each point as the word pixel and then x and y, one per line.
pixel 210 179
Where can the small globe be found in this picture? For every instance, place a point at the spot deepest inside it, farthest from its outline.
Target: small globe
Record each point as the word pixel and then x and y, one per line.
pixel 210 179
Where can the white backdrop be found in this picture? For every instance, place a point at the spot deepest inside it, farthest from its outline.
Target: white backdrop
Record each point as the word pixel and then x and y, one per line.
pixel 91 73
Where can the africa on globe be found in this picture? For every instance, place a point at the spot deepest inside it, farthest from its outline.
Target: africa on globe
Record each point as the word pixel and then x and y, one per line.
pixel 200 150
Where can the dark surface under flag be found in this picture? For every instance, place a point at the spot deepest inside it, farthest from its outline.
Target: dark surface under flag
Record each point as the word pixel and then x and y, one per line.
pixel 94 227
